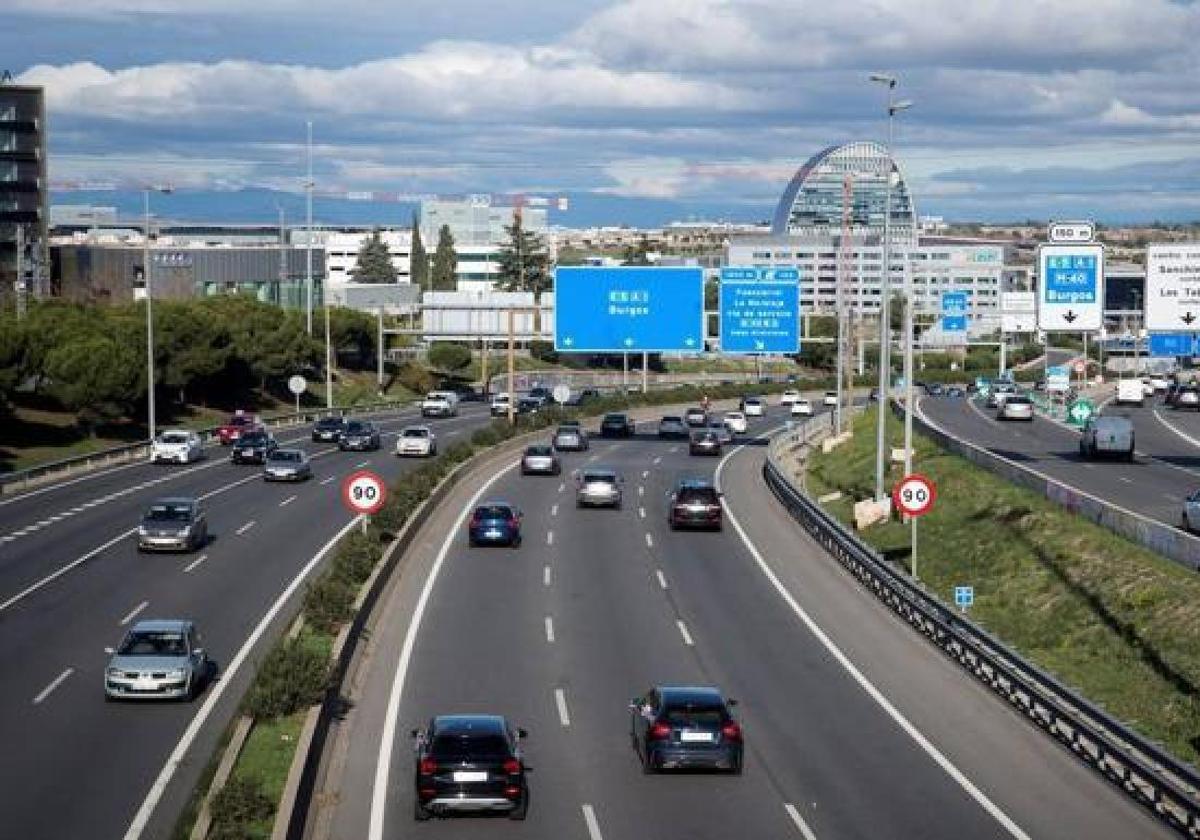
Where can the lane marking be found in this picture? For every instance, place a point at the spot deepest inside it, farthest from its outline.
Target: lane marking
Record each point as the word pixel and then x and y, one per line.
pixel 549 630
pixel 593 827
pixel 658 459
pixel 195 563
pixel 50 578
pixel 554 510
pixel 641 490
pixel 799 821
pixel 649 541
pixel 662 579
pixel 642 512
pixel 1170 497
pixel 133 613
pixel 673 449
pixel 361 465
pixel 59 680
pixel 560 700
pixel 287 501
pixel 683 631
pixel 1126 480
pixel 867 686
pixel 327 480
pixel 645 473
pixel 546 576
pixel 245 528
pixel 562 487
pixel 549 538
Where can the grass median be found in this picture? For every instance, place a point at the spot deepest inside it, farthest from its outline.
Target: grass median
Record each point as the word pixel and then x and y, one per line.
pixel 1108 617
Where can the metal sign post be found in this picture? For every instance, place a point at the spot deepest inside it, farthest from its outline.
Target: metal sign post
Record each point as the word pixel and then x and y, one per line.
pixel 914 496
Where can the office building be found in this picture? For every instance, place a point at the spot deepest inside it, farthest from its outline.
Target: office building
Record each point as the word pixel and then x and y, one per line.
pixel 24 197
pixel 477 224
pixel 341 254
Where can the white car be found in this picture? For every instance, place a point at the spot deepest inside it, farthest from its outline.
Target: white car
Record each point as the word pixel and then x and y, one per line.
pixel 830 399
pixel 439 404
pixel 1147 387
pixel 176 445
pixel 802 408
pixel 752 406
pixel 416 440
pixel 789 397
pixel 1160 383
pixel 735 421
pixel 500 404
pixel 1130 392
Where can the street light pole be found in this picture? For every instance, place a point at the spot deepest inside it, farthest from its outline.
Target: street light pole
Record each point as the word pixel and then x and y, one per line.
pixel 308 274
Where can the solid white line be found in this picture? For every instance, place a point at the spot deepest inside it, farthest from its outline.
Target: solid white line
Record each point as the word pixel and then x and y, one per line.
pixel 549 630
pixel 549 538
pixel 642 512
pixel 683 631
pixel 662 579
pixel 560 700
pixel 59 680
pixel 142 818
pixel 799 821
pixel 593 827
pixel 554 510
pixel 874 693
pixel 379 790
pixel 287 501
pixel 325 481
pixel 649 541
pixel 245 528
pixel 29 590
pixel 133 613
pixel 546 576
pixel 195 563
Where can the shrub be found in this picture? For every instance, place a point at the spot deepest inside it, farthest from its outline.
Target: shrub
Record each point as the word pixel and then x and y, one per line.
pixel 239 804
pixel 356 556
pixel 293 677
pixel 328 602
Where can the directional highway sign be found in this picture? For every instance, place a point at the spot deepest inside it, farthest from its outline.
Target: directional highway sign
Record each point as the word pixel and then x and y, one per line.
pixel 760 310
pixel 954 313
pixel 1173 344
pixel 628 309
pixel 1070 287
pixel 1173 287
pixel 1080 412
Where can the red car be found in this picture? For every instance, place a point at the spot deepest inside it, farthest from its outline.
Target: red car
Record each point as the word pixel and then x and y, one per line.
pixel 236 426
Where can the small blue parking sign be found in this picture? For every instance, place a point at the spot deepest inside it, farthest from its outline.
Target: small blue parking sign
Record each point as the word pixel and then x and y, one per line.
pixel 964 596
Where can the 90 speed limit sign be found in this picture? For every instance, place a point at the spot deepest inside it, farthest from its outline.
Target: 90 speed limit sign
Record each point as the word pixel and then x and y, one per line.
pixel 364 492
pixel 914 495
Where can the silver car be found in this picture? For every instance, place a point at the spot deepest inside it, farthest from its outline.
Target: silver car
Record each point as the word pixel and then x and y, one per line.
pixel 157 659
pixel 540 459
pixel 718 428
pixel 1191 512
pixel 287 465
pixel 1016 407
pixel 570 438
pixel 176 523
pixel 598 487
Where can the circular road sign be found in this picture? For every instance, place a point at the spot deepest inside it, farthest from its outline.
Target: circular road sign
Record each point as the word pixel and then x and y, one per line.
pixel 364 492
pixel 562 393
pixel 1080 367
pixel 914 495
pixel 297 385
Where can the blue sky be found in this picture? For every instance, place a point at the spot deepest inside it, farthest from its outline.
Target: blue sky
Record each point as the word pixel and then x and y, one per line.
pixel 644 110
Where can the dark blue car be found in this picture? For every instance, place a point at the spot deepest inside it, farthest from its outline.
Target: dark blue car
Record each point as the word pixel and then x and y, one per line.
pixel 495 523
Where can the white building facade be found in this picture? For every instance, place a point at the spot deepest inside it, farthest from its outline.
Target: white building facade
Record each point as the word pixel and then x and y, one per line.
pixel 341 255
pixel 477 224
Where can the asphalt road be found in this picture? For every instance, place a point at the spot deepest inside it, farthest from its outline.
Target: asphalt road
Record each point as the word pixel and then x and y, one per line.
pixel 855 726
pixel 74 766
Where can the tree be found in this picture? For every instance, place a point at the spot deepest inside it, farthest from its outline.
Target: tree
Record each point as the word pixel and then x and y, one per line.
pixel 194 346
pixel 374 262
pixel 638 254
pixel 419 273
pixel 449 357
pixel 524 262
pixel 445 261
pixel 95 376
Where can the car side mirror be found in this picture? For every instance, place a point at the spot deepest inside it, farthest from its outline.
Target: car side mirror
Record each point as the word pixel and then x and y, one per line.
pixel 522 733
pixel 416 733
pixel 731 702
pixel 110 650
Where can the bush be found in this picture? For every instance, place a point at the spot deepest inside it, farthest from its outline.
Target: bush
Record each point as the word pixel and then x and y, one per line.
pixel 356 557
pixel 294 676
pixel 238 805
pixel 328 602
pixel 449 357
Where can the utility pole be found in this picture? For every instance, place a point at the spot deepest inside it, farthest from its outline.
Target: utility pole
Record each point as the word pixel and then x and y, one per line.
pixel 328 350
pixel 645 371
pixel 308 270
pixel 283 272
pixel 19 289
pixel 379 377
pixel 146 275
pixel 512 395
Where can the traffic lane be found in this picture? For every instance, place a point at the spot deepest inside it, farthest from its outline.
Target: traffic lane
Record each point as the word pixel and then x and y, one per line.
pixel 1043 788
pixel 1150 487
pixel 1165 435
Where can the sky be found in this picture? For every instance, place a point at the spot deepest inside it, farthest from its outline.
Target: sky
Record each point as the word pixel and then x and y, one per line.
pixel 642 111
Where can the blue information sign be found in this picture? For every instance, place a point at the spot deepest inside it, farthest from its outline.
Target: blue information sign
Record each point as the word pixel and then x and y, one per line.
pixel 628 309
pixel 1070 287
pixel 964 596
pixel 760 310
pixel 954 312
pixel 1173 344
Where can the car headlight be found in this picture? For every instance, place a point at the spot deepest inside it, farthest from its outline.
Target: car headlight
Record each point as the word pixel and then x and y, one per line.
pixel 142 532
pixel 112 672
pixel 185 530
pixel 177 673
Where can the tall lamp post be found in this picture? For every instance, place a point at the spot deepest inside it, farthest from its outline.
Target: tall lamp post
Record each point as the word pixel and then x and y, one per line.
pixel 885 384
pixel 146 276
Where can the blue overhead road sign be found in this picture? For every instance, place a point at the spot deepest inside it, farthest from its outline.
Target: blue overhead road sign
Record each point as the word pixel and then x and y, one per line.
pixel 760 310
pixel 1172 344
pixel 1070 287
pixel 628 309
pixel 954 312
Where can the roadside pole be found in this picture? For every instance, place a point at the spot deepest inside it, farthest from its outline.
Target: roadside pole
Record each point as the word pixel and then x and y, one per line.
pixel 512 353
pixel 645 371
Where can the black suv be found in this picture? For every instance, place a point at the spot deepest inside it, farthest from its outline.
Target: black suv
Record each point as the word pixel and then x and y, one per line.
pixel 616 425
pixel 674 727
pixel 252 448
pixel 695 504
pixel 469 763
pixel 328 429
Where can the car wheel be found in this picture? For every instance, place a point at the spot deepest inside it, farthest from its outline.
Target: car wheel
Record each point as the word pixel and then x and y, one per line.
pixel 1184 522
pixel 736 769
pixel 420 812
pixel 522 808
pixel 648 768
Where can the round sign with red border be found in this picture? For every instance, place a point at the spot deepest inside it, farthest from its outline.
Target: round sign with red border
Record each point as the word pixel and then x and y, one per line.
pixel 1080 367
pixel 914 495
pixel 364 492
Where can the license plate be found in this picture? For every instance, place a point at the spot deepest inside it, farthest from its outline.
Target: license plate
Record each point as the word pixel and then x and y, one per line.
pixel 695 736
pixel 247 453
pixel 493 532
pixel 470 775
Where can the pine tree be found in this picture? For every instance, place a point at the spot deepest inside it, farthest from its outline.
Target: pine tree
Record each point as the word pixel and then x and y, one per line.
pixel 419 273
pixel 524 262
pixel 374 262
pixel 445 260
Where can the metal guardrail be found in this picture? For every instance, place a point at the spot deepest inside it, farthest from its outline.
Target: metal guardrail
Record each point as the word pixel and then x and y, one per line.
pixel 1142 769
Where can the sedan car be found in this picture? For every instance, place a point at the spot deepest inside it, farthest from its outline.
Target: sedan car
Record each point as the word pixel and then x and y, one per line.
pixel 1016 407
pixel 570 439
pixel 704 442
pixel 157 659
pixel 753 406
pixel 672 426
pixel 685 727
pixel 695 417
pixel 253 448
pixel 598 487
pixel 801 408
pixel 540 459
pixel 287 465
pixel 789 396
pixel 616 425
pixel 416 440
pixel 718 428
pixel 176 445
pixel 830 399
pixel 735 421
pixel 360 435
pixel 328 429
pixel 694 504
pixel 956 392
pixel 469 763
pixel 495 523
pixel 1187 398
pixel 176 523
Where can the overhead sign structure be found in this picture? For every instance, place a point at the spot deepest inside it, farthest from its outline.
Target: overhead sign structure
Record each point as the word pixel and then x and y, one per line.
pixel 1173 287
pixel 760 310
pixel 914 495
pixel 364 492
pixel 628 309
pixel 1018 312
pixel 1070 287
pixel 954 313
pixel 1071 232
pixel 1174 344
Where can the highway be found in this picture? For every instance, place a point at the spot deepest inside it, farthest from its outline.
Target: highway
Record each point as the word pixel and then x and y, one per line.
pixel 855 726
pixel 71 580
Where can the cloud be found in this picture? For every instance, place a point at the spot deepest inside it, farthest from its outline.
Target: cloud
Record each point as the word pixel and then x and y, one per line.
pixel 1129 116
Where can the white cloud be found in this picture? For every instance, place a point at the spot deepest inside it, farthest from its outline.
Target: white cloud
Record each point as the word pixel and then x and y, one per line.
pixel 648 178
pixel 1129 116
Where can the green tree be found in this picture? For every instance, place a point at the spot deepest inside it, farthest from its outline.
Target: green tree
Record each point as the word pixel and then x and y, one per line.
pixel 445 260
pixel 524 262
pixel 353 332
pixel 638 254
pixel 12 356
pixel 449 357
pixel 95 376
pixel 419 273
pixel 374 262
pixel 193 344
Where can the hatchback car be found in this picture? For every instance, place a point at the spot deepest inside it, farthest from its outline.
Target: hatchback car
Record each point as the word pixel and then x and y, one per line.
pixel 540 459
pixel 287 465
pixel 360 435
pixel 328 429
pixel 616 425
pixel 236 426
pixel 678 727
pixel 495 523
pixel 598 487
pixel 753 406
pixel 672 426
pixel 570 439
pixel 1016 407
pixel 253 448
pixel 704 442
pixel 735 421
pixel 801 408
pixel 695 417
pixel 157 659
pixel 175 523
pixel 469 763
pixel 419 441
pixel 694 504
pixel 178 445
pixel 1187 398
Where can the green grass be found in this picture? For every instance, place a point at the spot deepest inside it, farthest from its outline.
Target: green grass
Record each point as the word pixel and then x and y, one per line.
pixel 266 758
pixel 1114 620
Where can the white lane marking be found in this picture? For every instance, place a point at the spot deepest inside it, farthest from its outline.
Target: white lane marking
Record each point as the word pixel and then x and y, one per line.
pixel 387 741
pixel 673 449
pixel 662 579
pixel 546 576
pixel 554 510
pixel 287 501
pixel 641 490
pixel 799 821
pixel 645 473
pixel 195 563
pixel 562 487
pixel 245 528
pixel 9 538
pixel 658 459
pixel 1170 497
pixel 593 827
pixel 452 434
pixel 29 590
pixel 549 538
pixel 867 686
pixel 649 541
pixel 1126 480
pixel 560 700
pixel 59 680
pixel 359 466
pixel 683 631
pixel 142 817
pixel 326 480
pixel 549 630
pixel 642 512
pixel 133 613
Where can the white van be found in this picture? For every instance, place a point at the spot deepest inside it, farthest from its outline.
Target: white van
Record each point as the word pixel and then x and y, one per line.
pixel 1130 392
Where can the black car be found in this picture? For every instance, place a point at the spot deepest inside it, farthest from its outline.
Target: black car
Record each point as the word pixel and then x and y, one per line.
pixel 544 395
pixel 252 448
pixel 934 389
pixel 675 727
pixel 469 763
pixel 529 405
pixel 695 504
pixel 616 425
pixel 704 442
pixel 580 397
pixel 328 429
pixel 359 434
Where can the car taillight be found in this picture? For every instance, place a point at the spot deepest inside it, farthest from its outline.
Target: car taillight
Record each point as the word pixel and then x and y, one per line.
pixel 659 732
pixel 514 523
pixel 474 522
pixel 512 766
pixel 731 731
pixel 428 766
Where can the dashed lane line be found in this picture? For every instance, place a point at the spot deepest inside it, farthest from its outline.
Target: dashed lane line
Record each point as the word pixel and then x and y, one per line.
pixel 133 613
pixel 649 541
pixel 287 501
pixel 59 680
pixel 560 700
pixel 245 527
pixel 799 821
pixel 195 563
pixel 683 631
pixel 593 826
pixel 662 579
pixel 546 576
pixel 549 630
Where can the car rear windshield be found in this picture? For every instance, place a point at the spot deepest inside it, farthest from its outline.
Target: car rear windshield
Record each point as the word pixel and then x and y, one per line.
pixel 357 428
pixel 239 420
pixel 178 437
pixel 153 643
pixel 329 423
pixel 169 513
pixel 614 418
pixel 251 438
pixel 568 430
pixel 493 512
pixel 539 450
pixel 459 746
pixel 416 433
pixel 706 718
pixel 1017 401
pixel 704 495
pixel 285 455
pixel 599 478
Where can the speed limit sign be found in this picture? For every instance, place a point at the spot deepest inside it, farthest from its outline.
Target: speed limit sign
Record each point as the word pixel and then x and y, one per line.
pixel 364 492
pixel 914 495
